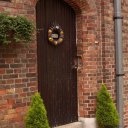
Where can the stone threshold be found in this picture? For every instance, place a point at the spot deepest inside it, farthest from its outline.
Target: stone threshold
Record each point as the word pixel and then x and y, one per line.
pixel 71 125
pixel 82 123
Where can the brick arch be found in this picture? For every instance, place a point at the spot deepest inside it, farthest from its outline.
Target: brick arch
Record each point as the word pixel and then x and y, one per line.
pixel 78 5
pixel 81 5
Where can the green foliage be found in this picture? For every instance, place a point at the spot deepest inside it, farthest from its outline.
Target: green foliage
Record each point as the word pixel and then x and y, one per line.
pixel 37 116
pixel 106 113
pixel 15 28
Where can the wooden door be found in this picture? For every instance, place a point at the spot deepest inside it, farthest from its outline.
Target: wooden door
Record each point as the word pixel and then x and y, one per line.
pixel 57 76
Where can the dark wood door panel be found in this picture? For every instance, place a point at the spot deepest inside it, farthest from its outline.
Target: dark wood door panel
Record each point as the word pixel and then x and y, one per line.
pixel 57 79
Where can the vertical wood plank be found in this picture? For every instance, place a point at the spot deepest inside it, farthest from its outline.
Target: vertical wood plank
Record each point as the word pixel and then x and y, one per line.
pixel 57 80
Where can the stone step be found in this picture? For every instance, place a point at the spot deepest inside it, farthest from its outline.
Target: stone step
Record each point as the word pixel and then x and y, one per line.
pixel 71 125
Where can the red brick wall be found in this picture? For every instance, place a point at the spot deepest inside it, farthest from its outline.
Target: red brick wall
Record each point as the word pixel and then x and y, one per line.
pixel 96 53
pixel 18 75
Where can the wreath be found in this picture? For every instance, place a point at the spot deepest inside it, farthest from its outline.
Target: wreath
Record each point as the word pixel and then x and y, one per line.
pixel 55 35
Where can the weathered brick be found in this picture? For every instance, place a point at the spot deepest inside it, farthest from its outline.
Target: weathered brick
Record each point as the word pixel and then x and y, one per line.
pixel 2 71
pixel 16 65
pixel 20 85
pixel 31 74
pixel 9 55
pixel 10 97
pixel 10 76
pixel 4 66
pixel 5 87
pixel 17 105
pixel 18 81
pixel 2 92
pixel 9 71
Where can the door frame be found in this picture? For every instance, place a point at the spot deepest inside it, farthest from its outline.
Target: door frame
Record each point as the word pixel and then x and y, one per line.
pixel 82 9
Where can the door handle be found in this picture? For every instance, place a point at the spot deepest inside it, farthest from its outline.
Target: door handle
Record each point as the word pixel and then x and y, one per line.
pixel 75 63
pixel 74 66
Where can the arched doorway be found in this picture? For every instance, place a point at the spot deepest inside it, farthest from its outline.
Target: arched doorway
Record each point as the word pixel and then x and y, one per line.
pixel 57 73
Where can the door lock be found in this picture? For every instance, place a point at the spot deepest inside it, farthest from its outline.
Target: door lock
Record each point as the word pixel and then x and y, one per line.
pixel 75 63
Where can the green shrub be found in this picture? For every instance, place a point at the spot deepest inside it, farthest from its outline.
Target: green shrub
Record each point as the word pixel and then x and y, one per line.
pixel 37 116
pixel 15 28
pixel 106 113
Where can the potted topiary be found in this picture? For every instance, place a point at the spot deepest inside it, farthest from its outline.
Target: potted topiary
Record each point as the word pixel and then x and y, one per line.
pixel 106 113
pixel 37 115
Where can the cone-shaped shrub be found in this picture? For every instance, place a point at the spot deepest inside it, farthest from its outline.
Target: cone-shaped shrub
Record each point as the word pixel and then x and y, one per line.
pixel 106 113
pixel 37 116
